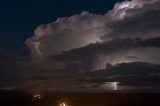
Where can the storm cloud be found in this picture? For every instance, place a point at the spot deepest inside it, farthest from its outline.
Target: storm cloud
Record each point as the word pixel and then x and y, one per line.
pixel 91 40
pixel 67 33
pixel 127 38
pixel 95 56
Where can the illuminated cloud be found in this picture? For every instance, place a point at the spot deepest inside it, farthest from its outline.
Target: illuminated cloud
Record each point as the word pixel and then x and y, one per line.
pixel 67 33
pixel 137 18
pixel 95 56
pixel 86 42
pixel 82 38
pixel 126 19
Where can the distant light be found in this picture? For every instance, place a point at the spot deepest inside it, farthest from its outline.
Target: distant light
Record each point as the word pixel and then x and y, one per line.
pixel 115 85
pixel 36 97
pixel 63 104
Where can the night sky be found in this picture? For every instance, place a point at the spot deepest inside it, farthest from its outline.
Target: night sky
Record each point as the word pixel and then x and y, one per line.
pixel 91 45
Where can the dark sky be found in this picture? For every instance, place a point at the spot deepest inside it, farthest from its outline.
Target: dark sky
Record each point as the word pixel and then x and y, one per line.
pixel 19 18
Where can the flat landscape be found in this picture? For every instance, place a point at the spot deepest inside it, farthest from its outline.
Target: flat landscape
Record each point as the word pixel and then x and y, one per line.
pixel 16 98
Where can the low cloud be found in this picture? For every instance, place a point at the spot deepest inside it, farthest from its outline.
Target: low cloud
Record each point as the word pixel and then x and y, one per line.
pixel 95 56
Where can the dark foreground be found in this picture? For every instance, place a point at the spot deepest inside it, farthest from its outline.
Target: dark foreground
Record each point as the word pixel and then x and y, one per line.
pixel 14 98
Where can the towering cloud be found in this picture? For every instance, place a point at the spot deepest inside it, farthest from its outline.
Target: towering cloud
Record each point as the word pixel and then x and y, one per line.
pixel 67 33
pixel 125 31
pixel 140 19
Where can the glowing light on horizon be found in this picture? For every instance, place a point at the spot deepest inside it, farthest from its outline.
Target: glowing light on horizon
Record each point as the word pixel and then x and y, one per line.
pixel 115 85
pixel 63 104
pixel 36 98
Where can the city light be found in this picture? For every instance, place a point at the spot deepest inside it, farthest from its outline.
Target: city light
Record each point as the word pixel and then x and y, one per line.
pixel 63 104
pixel 36 98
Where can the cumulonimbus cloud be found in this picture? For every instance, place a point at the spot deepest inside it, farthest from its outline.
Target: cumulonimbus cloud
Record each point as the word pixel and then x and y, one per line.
pixel 86 42
pixel 66 33
pixel 136 19
pixel 95 56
